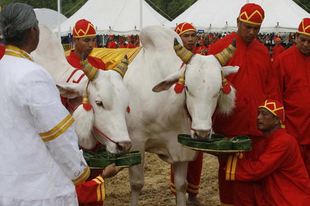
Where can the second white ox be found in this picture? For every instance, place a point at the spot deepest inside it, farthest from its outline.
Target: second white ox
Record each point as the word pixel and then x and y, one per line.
pixel 106 92
pixel 157 116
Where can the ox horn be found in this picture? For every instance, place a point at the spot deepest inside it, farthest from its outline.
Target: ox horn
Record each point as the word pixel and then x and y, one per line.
pixel 224 56
pixel 90 71
pixel 184 54
pixel 121 68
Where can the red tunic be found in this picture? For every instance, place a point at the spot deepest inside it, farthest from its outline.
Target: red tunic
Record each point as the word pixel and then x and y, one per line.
pixel 276 50
pixel 122 46
pixel 111 45
pixel 130 45
pixel 294 78
pixel 280 169
pixel 254 82
pixel 198 50
pixel 91 193
pixel 2 50
pixel 74 60
pixel 294 70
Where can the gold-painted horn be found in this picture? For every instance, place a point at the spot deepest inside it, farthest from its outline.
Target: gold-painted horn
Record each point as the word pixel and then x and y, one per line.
pixel 224 56
pixel 88 69
pixel 184 54
pixel 122 67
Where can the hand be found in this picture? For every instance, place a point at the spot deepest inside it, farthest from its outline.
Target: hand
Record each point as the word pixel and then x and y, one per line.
pixel 111 170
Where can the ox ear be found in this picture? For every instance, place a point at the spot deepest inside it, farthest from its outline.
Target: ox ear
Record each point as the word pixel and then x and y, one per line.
pixel 227 70
pixel 168 81
pixel 69 91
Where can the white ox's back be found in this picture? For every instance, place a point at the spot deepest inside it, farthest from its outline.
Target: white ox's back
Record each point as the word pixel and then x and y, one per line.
pixel 156 118
pixel 107 94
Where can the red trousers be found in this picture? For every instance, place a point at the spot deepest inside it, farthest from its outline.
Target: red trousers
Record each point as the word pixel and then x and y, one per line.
pixel 193 176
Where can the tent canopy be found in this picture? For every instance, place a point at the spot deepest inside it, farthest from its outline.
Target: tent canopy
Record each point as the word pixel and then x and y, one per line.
pixel 114 17
pixel 49 17
pixel 221 15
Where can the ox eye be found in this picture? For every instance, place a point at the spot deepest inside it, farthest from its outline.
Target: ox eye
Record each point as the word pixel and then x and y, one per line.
pixel 99 103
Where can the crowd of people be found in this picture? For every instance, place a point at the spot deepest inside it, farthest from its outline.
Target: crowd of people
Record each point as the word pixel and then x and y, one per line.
pixel 108 41
pixel 41 159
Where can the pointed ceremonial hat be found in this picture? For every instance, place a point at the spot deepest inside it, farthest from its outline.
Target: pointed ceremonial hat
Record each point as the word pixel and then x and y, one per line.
pixel 304 26
pixel 276 108
pixel 184 27
pixel 83 28
pixel 252 14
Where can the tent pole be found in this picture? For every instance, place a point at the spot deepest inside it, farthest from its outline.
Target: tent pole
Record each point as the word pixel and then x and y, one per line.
pixel 58 8
pixel 141 23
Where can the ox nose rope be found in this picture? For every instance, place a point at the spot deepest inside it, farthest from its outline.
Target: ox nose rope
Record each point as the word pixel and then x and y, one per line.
pixel 95 128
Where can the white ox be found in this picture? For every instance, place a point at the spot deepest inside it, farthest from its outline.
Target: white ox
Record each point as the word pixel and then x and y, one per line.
pixel 106 93
pixel 155 119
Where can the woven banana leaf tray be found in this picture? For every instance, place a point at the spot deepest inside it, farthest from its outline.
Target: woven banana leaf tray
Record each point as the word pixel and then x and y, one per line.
pixel 101 159
pixel 217 144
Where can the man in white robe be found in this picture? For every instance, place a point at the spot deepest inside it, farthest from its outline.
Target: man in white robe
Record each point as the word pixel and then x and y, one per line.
pixel 39 154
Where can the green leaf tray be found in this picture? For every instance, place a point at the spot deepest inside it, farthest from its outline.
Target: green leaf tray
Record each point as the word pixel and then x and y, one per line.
pixel 101 159
pixel 217 144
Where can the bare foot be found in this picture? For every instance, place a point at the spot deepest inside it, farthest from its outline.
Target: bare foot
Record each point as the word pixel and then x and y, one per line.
pixel 193 200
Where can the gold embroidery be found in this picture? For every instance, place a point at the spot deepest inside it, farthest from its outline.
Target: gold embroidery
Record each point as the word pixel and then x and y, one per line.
pixel 17 52
pixel 58 129
pixel 83 177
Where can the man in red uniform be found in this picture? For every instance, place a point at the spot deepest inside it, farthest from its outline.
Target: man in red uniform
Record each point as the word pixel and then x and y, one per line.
pixel 111 44
pixel 92 192
pixel 201 49
pixel 121 43
pixel 130 44
pixel 84 38
pixel 280 167
pixel 2 47
pixel 188 34
pixel 277 49
pixel 293 67
pixel 2 50
pixel 254 82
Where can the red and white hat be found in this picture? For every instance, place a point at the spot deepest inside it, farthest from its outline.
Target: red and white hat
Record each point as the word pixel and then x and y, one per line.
pixel 252 14
pixel 276 108
pixel 83 28
pixel 304 26
pixel 184 27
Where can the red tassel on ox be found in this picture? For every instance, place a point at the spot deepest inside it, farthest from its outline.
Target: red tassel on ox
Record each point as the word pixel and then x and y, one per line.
pixel 178 88
pixel 128 109
pixel 226 88
pixel 87 107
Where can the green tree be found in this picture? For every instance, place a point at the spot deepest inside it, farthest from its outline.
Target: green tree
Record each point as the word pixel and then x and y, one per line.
pixel 68 7
pixel 168 8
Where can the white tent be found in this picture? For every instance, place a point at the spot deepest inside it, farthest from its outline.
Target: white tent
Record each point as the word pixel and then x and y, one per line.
pixel 221 15
pixel 49 17
pixel 114 17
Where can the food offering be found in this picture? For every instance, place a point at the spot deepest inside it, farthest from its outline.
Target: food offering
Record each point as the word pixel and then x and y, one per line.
pixel 101 159
pixel 217 144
